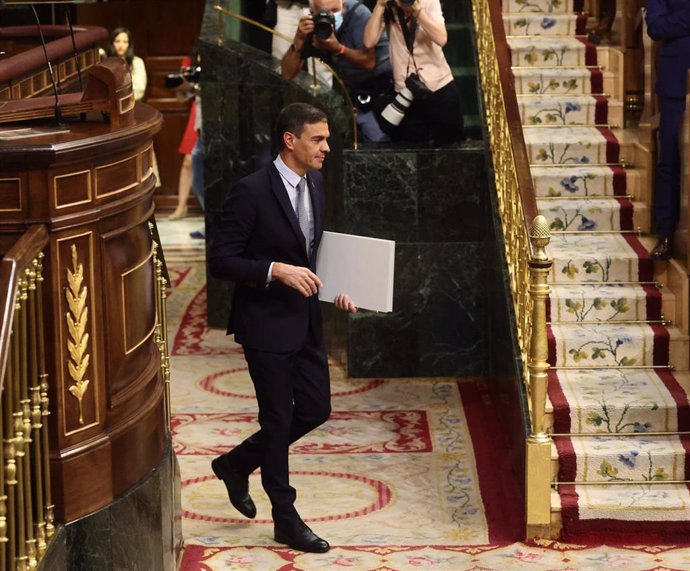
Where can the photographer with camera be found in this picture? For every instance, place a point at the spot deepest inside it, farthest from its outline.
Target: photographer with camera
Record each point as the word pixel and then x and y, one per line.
pixel 427 101
pixel 334 32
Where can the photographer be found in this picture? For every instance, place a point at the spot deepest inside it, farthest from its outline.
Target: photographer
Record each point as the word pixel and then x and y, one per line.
pixel 334 33
pixel 427 104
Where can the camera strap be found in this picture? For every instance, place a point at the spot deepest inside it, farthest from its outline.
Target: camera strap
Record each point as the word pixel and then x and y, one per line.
pixel 409 31
pixel 347 18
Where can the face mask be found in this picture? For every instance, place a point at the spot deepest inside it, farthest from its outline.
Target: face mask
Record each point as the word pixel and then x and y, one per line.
pixel 338 19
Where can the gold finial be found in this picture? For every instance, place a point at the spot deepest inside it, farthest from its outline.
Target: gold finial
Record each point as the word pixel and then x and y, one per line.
pixel 540 237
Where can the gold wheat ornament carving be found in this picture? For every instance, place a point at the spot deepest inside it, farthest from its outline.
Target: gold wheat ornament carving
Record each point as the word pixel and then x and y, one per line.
pixel 77 318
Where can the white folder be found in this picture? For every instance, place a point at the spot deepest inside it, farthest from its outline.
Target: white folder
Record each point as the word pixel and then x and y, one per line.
pixel 359 266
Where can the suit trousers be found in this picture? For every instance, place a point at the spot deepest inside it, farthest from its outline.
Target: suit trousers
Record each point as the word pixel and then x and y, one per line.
pixel 293 393
pixel 667 185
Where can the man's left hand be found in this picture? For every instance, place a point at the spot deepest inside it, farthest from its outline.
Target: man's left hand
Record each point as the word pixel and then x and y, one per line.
pixel 343 301
pixel 330 45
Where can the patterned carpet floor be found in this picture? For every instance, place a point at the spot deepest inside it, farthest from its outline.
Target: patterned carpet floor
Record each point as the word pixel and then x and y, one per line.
pixel 407 474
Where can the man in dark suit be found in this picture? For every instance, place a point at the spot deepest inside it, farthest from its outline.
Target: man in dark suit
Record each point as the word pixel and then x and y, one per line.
pixel 266 242
pixel 669 22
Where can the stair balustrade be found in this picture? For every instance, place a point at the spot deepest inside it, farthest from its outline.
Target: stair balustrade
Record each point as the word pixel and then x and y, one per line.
pixel 526 234
pixel 26 508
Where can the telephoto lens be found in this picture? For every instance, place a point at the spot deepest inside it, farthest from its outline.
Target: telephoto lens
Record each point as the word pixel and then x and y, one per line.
pixel 324 24
pixel 395 111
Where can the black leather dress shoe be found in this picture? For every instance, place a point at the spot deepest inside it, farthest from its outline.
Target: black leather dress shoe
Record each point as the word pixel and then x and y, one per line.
pixel 663 249
pixel 237 486
pixel 297 535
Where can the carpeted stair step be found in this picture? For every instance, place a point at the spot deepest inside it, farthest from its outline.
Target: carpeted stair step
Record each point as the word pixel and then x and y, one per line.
pixel 583 257
pixel 604 302
pixel 547 6
pixel 587 214
pixel 571 145
pixel 563 109
pixel 608 345
pixel 535 24
pixel 559 81
pixel 652 514
pixel 610 458
pixel 615 401
pixel 579 181
pixel 551 52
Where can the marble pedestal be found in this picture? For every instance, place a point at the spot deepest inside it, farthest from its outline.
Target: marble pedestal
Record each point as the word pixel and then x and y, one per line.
pixel 449 315
pixel 141 531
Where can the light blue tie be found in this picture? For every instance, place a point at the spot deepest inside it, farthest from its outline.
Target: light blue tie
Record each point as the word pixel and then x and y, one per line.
pixel 303 211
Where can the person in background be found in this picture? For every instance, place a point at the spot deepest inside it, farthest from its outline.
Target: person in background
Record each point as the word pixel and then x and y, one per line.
pixel 416 36
pixel 668 21
pixel 189 139
pixel 288 14
pixel 366 72
pixel 121 46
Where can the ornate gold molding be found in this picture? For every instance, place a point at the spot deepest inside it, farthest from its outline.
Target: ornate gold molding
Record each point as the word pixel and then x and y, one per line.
pixel 76 319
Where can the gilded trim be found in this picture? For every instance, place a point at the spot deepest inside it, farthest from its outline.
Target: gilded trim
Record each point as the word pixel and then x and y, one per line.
pixel 77 319
pixel 89 237
pixel 126 103
pixel 70 204
pixel 128 349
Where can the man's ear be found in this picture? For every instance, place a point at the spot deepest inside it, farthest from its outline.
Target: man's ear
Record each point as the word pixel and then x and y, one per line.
pixel 289 140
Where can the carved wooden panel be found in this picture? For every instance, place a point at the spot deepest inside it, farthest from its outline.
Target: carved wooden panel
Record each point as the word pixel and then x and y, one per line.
pixel 130 305
pixel 11 194
pixel 72 188
pixel 117 177
pixel 78 382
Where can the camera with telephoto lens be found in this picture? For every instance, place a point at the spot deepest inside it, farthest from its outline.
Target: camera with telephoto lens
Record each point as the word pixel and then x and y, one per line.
pixel 191 74
pixel 414 88
pixel 324 24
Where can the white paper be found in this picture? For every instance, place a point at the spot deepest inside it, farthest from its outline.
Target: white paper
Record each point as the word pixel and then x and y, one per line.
pixel 359 266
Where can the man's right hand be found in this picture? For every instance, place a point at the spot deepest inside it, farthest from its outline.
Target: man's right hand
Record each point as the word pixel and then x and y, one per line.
pixel 304 28
pixel 300 278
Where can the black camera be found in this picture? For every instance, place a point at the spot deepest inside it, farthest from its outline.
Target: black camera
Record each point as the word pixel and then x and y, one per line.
pixel 403 2
pixel 394 112
pixel 324 24
pixel 418 88
pixel 191 74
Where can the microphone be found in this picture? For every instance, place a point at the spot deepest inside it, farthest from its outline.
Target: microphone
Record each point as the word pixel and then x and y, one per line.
pixel 74 49
pixel 58 111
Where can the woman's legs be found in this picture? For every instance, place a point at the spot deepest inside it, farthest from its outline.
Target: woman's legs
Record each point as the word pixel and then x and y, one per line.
pixel 184 188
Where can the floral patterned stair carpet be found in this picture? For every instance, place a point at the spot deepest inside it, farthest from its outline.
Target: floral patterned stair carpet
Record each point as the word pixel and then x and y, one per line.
pixel 407 474
pixel 610 390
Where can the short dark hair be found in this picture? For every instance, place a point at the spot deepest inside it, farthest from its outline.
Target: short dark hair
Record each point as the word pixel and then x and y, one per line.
pixel 292 119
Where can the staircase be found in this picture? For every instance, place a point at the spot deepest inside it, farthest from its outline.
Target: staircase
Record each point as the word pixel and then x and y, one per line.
pixel 619 382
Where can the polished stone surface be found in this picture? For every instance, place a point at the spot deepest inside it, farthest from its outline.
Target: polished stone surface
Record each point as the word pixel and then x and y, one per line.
pixel 138 532
pixel 448 307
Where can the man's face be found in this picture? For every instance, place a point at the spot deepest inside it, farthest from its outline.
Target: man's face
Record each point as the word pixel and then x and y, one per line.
pixel 310 149
pixel 330 5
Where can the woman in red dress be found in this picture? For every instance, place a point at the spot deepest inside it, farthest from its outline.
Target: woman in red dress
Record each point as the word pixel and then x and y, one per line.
pixel 184 186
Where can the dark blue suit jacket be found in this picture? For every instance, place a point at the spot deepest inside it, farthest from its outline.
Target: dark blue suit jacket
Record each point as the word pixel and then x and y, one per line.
pixel 256 227
pixel 669 22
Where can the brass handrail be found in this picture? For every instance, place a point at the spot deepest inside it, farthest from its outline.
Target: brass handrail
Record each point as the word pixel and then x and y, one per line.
pixel 526 234
pixel 353 110
pixel 26 509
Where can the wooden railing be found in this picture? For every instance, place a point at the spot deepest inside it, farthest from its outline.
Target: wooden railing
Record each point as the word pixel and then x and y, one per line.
pixel 526 234
pixel 26 509
pixel 25 74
